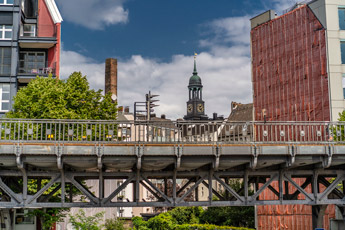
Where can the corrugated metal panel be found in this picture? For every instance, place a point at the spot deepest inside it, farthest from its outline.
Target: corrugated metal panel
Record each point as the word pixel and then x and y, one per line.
pixel 289 69
pixel 290 82
pixel 289 216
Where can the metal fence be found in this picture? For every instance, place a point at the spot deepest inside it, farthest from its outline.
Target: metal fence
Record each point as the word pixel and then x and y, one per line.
pixel 71 131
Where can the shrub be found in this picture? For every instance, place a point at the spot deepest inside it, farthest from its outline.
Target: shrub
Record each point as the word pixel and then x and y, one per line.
pixel 139 223
pixel 207 227
pixel 114 224
pixel 163 221
pixel 184 215
pixel 82 222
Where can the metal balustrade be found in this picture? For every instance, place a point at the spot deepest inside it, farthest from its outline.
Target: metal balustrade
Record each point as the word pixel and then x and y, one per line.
pixel 203 132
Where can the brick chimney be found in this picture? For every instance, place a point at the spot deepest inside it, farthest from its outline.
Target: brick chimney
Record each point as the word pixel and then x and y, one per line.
pixel 111 76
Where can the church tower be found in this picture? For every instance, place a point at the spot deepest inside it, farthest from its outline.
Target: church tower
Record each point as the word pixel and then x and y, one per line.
pixel 195 104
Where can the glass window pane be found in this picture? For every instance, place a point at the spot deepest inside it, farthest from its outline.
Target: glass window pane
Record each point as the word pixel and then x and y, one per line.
pixel 5 106
pixel 342 18
pixel 343 52
pixel 8 34
pixel 6 70
pixel 10 1
pixel 2 1
pixel 6 61
pixel 8 27
pixel 6 87
pixel 7 52
pixel 6 96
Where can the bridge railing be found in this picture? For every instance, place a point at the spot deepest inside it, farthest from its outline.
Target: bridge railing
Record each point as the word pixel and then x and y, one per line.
pixel 71 131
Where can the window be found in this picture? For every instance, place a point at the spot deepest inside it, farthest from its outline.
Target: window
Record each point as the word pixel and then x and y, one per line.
pixel 341 13
pixel 5 61
pixel 5 32
pixel 28 30
pixel 4 97
pixel 32 62
pixel 342 47
pixel 6 2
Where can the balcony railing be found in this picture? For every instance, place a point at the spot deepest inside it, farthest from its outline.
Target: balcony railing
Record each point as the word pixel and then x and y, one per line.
pixel 33 31
pixel 26 70
pixel 178 132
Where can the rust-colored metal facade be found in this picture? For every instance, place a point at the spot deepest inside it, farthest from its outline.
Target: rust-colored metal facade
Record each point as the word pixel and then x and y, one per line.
pixel 296 217
pixel 290 83
pixel 289 64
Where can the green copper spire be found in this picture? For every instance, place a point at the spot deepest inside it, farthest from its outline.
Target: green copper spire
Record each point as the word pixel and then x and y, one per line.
pixel 195 72
pixel 195 80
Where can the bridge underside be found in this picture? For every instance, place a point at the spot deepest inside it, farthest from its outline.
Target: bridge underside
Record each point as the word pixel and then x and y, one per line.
pixel 36 174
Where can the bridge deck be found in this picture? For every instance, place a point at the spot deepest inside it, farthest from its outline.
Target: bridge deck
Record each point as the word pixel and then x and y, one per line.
pixel 66 153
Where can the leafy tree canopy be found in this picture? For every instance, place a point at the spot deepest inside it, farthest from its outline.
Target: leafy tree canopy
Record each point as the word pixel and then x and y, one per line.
pixel 81 221
pixel 49 98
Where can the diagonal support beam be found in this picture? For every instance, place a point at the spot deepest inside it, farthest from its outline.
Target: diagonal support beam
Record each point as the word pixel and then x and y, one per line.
pixel 270 187
pixel 185 186
pixel 42 190
pixel 9 191
pixel 156 189
pixel 303 186
pixel 84 190
pixel 228 188
pixel 336 191
pixel 307 195
pixel 46 198
pixel 118 190
pixel 213 191
pixel 331 187
pixel 274 177
pixel 150 190
pixel 191 189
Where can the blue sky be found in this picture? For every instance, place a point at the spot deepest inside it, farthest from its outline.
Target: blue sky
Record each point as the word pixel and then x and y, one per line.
pixel 154 42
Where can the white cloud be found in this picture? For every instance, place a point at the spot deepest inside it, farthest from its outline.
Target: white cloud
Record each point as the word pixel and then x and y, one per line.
pixel 93 14
pixel 281 5
pixel 225 78
pixel 228 30
pixel 224 69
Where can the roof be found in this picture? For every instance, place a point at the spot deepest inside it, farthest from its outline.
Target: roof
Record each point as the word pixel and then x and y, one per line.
pixel 241 112
pixel 195 80
pixel 54 11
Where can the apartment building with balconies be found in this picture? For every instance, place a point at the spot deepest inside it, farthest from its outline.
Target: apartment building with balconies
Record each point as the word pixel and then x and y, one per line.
pixel 30 40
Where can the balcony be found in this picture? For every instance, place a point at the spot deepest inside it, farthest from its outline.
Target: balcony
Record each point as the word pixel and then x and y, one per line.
pixel 43 36
pixel 30 67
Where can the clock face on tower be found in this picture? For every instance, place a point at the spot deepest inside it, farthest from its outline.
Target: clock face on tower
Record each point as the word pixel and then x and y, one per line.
pixel 190 108
pixel 200 108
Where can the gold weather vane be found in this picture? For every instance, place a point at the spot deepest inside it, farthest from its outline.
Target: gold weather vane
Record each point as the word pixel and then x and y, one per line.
pixel 195 54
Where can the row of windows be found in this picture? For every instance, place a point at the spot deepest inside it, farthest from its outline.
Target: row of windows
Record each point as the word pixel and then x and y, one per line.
pixel 26 30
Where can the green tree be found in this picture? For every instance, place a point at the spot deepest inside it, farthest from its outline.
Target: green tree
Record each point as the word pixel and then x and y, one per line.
pixel 49 98
pixel 114 224
pixel 82 222
pixel 231 216
pixel 49 217
pixel 188 215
